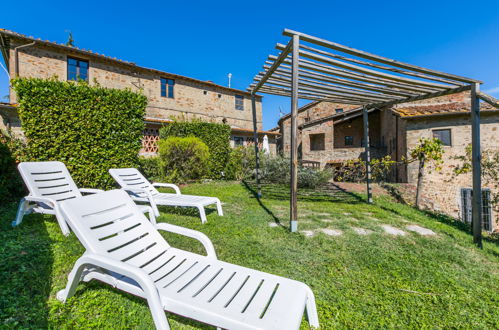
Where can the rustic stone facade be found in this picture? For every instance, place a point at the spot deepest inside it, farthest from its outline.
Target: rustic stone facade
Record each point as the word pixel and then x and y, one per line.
pixel 192 98
pixel 441 188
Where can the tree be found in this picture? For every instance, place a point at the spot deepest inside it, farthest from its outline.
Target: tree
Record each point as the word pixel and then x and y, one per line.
pixel 427 152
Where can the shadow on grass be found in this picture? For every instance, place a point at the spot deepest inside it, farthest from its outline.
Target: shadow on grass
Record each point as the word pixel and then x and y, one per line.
pixel 328 193
pixel 462 226
pixel 25 271
pixel 254 192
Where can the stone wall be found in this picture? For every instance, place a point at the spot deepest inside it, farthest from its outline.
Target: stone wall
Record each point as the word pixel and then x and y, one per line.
pixel 193 99
pixel 442 189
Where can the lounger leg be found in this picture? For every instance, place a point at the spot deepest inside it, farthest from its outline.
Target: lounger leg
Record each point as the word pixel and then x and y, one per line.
pixel 202 214
pixel 62 223
pixel 21 211
pixel 74 278
pixel 313 318
pixel 219 208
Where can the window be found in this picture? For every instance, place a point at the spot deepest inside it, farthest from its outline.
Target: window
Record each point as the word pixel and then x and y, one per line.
pixel 317 142
pixel 167 88
pixel 238 141
pixel 443 135
pixel 339 110
pixel 77 69
pixel 349 140
pixel 239 102
pixel 466 207
pixel 307 119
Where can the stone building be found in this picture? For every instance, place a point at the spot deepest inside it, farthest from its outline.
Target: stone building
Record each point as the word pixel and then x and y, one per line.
pixel 331 134
pixel 170 96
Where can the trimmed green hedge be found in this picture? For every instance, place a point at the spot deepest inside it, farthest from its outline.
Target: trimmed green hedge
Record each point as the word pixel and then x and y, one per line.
pixel 11 187
pixel 89 128
pixel 215 136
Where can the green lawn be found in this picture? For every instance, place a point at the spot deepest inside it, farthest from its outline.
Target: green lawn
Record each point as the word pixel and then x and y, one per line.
pixel 361 281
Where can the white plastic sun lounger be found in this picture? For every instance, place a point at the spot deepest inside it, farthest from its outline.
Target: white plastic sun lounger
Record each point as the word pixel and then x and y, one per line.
pixel 141 190
pixel 49 183
pixel 126 251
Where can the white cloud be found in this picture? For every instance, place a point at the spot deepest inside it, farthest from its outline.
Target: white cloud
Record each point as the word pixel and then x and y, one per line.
pixel 494 90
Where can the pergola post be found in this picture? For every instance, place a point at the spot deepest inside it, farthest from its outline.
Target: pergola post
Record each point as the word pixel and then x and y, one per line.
pixel 257 154
pixel 293 216
pixel 365 116
pixel 476 165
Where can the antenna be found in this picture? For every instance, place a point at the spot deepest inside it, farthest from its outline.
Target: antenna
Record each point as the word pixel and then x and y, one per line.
pixel 230 77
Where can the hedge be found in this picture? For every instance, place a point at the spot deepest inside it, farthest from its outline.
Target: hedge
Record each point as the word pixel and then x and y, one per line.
pixel 11 187
pixel 215 136
pixel 89 128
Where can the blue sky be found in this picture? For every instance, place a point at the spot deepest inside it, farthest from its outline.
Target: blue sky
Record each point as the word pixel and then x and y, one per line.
pixel 207 40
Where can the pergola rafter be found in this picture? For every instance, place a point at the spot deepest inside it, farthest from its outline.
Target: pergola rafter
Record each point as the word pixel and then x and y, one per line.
pixel 316 69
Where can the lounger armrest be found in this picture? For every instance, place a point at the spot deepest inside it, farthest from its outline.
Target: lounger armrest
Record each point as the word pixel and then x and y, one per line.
pixel 167 185
pixel 208 245
pixel 48 201
pixel 90 190
pixel 134 191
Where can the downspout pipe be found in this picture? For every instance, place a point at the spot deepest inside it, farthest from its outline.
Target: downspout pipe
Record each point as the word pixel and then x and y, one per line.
pixel 16 57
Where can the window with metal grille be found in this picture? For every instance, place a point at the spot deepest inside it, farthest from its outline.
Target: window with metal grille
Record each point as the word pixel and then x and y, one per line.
pixel 349 140
pixel 317 142
pixel 466 207
pixel 77 69
pixel 239 102
pixel 167 88
pixel 443 135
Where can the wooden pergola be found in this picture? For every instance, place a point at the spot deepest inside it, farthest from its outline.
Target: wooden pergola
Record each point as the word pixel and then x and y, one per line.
pixel 311 68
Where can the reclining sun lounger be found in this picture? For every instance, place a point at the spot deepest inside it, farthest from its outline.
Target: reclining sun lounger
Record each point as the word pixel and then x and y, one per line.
pixel 126 251
pixel 141 190
pixel 49 183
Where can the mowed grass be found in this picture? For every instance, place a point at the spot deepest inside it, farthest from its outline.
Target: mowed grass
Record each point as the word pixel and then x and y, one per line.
pixel 360 281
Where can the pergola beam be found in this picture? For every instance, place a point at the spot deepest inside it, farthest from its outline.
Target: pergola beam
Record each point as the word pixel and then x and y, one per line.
pixel 377 58
pixel 489 99
pixel 382 67
pixel 276 64
pixel 329 91
pixel 363 70
pixel 314 66
pixel 285 77
pixel 326 78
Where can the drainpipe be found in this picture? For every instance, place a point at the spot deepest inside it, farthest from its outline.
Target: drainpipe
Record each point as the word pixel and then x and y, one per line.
pixel 16 57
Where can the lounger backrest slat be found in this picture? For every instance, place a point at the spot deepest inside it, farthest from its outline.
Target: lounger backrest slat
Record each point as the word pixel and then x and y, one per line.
pixel 131 178
pixel 49 179
pixel 110 223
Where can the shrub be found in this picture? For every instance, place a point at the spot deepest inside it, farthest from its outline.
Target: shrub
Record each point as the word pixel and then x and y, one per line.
pixel 11 186
pixel 241 163
pixel 215 136
pixel 312 178
pixel 90 129
pixel 276 169
pixel 183 159
pixel 150 167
